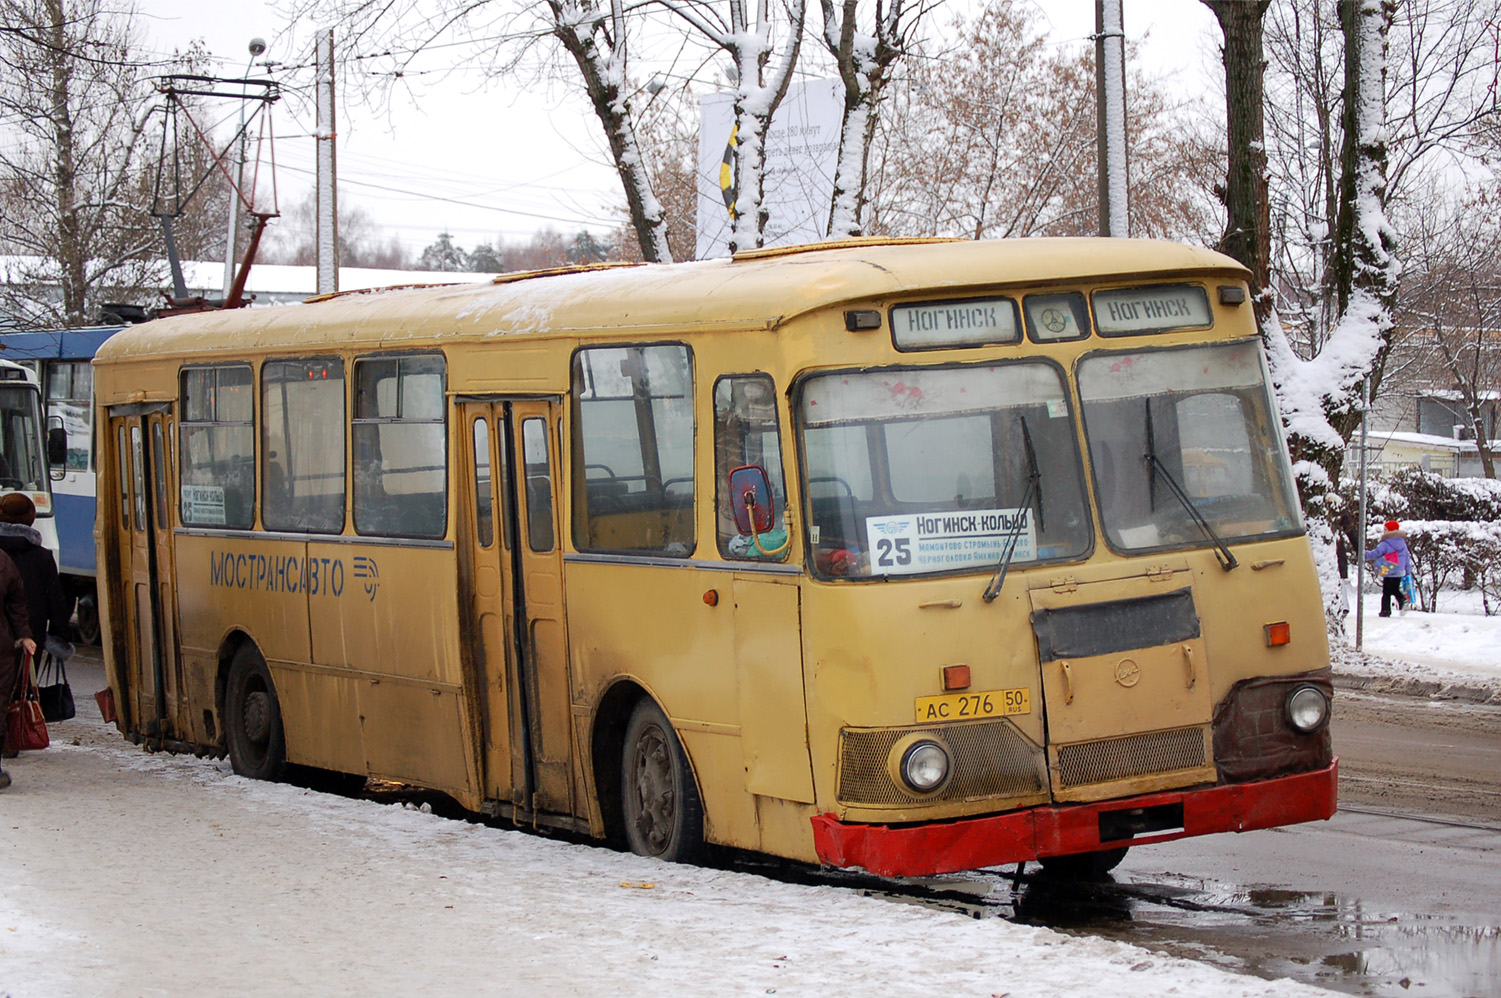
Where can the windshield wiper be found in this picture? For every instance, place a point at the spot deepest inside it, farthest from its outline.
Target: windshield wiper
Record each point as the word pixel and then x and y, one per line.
pixel 1034 490
pixel 1155 467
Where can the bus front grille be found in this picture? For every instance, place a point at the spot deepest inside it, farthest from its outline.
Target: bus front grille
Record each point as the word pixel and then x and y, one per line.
pixel 990 759
pixel 1136 755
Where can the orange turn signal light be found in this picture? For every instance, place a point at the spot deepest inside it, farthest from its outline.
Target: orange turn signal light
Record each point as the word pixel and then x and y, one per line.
pixel 711 597
pixel 1277 634
pixel 956 677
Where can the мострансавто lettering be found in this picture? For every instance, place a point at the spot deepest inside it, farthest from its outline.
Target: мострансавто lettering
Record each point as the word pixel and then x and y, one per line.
pixel 276 573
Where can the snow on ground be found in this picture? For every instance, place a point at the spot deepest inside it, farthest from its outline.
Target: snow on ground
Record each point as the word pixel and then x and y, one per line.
pixel 1456 651
pixel 135 874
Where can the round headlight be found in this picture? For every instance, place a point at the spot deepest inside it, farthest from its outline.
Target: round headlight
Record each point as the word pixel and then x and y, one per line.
pixel 925 766
pixel 1307 709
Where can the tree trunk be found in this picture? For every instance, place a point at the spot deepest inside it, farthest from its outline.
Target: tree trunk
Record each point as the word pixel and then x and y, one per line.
pixel 1248 231
pixel 1365 271
pixel 648 217
pixel 71 255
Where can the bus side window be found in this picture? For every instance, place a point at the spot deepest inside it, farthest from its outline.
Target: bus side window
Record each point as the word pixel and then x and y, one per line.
pixel 302 445
pixel 217 477
pixel 538 465
pixel 747 431
pixel 400 446
pixel 633 449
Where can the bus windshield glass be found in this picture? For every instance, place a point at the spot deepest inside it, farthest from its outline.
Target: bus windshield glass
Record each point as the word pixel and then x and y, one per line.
pixel 20 439
pixel 1200 418
pixel 924 470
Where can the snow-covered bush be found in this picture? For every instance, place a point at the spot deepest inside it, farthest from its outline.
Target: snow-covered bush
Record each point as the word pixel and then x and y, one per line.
pixel 1445 551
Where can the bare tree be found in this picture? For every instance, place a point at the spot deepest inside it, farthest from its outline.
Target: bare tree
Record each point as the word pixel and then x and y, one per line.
pixel 362 243
pixel 1452 306
pixel 75 166
pixel 994 136
pixel 864 61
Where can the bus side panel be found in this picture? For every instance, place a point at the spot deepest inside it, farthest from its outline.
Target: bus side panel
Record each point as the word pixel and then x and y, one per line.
pixel 636 621
pixel 773 712
pixel 239 583
pixel 390 614
pixel 74 512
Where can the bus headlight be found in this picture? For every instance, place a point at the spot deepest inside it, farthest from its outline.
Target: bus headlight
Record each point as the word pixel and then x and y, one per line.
pixel 925 765
pixel 1307 709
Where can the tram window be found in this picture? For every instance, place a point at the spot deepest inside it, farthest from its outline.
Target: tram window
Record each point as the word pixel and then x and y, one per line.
pixel 400 455
pixel 302 445
pixel 218 446
pixel 484 516
pixel 746 431
pixel 633 426
pixel 159 473
pixel 538 467
pixel 122 462
pixel 70 391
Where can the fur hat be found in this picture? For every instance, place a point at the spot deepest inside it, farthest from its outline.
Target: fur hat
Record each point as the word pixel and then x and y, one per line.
pixel 1390 524
pixel 17 507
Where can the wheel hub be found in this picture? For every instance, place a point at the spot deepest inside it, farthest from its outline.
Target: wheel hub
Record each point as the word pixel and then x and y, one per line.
pixel 257 716
pixel 654 790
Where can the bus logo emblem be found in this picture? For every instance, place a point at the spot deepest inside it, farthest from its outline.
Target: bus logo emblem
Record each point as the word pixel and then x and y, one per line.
pixel 1127 672
pixel 366 571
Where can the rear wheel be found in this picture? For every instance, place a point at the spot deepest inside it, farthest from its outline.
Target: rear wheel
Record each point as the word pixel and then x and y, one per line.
pixel 252 718
pixel 1083 865
pixel 660 804
pixel 87 619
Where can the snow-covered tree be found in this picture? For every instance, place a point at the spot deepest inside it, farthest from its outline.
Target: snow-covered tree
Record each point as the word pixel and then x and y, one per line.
pixel 442 254
pixel 864 60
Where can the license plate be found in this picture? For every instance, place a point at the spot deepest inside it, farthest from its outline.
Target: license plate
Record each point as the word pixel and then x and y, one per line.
pixel 964 706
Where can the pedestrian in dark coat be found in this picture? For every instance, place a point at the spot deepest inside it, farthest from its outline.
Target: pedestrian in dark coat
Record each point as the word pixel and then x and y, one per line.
pixel 15 634
pixel 1391 564
pixel 47 609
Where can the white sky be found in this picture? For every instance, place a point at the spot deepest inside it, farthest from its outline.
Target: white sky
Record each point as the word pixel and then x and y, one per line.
pixel 483 159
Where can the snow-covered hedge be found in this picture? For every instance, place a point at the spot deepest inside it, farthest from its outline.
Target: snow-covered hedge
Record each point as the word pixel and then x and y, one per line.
pixel 1446 552
pixel 1453 528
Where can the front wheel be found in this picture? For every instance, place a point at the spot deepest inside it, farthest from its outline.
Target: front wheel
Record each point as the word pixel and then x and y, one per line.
pixel 252 719
pixel 87 619
pixel 663 814
pixel 1083 865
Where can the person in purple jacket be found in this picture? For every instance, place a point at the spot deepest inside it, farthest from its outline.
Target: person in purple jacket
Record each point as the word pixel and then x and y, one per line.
pixel 1391 565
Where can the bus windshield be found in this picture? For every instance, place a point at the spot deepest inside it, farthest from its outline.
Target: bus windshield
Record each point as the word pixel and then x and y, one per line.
pixel 20 439
pixel 924 470
pixel 1199 417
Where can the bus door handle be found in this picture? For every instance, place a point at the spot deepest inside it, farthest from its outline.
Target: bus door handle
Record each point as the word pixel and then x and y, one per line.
pixel 1188 660
pixel 1068 682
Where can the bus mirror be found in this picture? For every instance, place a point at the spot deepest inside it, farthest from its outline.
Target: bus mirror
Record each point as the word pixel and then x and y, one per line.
pixel 57 446
pixel 750 498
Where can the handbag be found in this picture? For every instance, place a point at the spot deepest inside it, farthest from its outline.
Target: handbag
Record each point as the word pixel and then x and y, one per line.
pixel 53 691
pixel 25 728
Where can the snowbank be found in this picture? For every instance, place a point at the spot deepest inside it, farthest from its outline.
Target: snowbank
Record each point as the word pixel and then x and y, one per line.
pixel 1446 655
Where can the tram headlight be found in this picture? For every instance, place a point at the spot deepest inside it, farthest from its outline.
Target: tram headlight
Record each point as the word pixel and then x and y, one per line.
pixel 1307 709
pixel 925 765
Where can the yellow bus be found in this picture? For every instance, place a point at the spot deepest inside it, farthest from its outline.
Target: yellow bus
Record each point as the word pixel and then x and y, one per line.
pixel 915 556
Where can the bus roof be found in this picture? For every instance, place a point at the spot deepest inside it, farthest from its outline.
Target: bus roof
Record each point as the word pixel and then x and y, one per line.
pixel 758 290
pixel 55 344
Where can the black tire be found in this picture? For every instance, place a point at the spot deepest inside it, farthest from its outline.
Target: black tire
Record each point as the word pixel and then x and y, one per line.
pixel 662 813
pixel 1083 865
pixel 252 718
pixel 86 616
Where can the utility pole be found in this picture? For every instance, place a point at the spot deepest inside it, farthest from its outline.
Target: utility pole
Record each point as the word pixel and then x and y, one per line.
pixel 232 236
pixel 1110 93
pixel 328 190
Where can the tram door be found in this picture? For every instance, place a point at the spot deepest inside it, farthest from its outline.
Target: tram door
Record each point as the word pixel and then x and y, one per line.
pixel 142 437
pixel 515 593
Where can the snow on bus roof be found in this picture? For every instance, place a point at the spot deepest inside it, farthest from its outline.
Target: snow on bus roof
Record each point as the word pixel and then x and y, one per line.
pixel 755 290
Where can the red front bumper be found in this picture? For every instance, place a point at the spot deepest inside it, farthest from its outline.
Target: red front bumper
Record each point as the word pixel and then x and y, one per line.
pixel 1057 830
